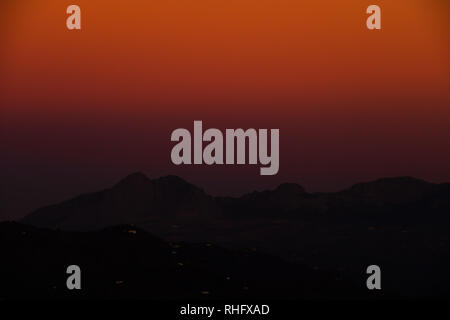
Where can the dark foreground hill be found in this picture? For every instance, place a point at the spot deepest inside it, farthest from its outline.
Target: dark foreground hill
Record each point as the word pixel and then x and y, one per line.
pixel 126 262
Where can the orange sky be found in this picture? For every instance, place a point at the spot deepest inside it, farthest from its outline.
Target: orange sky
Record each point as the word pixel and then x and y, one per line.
pixel 172 52
pixel 352 104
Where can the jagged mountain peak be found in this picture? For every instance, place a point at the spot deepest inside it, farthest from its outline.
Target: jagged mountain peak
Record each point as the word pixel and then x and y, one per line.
pixel 134 178
pixel 291 188
pixel 134 199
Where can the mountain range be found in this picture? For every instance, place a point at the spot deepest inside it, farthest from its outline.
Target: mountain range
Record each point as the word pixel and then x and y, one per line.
pixel 136 199
pixel 401 224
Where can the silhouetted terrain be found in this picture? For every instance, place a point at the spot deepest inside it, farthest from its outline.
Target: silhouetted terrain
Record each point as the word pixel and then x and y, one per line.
pixel 126 262
pixel 133 200
pixel 401 224
pixel 137 199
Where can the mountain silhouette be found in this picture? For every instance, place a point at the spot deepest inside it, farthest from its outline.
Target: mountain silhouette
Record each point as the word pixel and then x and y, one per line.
pixel 136 199
pixel 133 200
pixel 285 199
pixel 389 191
pixel 398 223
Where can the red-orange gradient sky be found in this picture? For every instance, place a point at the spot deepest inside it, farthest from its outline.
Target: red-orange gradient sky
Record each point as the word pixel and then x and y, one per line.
pixel 81 109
